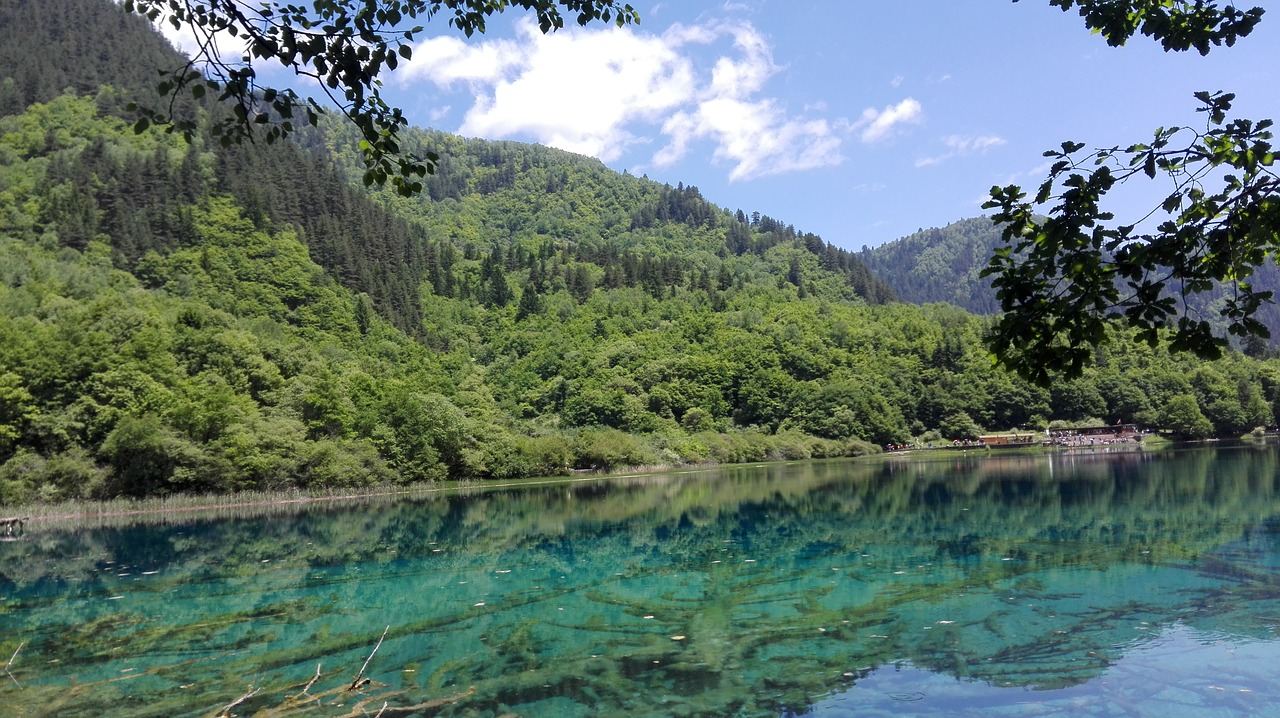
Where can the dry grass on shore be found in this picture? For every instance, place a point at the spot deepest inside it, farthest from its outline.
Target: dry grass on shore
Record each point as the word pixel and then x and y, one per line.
pixel 246 503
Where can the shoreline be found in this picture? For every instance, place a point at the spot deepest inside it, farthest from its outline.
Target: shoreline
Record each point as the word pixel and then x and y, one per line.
pixel 250 502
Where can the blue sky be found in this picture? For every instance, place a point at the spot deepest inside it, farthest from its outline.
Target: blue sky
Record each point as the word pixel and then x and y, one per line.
pixel 859 120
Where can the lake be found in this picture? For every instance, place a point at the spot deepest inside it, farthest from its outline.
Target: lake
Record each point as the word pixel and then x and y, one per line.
pixel 1126 583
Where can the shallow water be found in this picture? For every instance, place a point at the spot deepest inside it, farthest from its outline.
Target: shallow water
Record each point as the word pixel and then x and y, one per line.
pixel 1107 584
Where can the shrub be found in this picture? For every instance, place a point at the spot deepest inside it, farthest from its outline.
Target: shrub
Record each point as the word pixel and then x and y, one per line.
pixel 148 458
pixel 502 457
pixel 604 449
pixel 697 419
pixel 959 426
pixel 73 474
pixel 792 446
pixel 343 463
pixel 550 455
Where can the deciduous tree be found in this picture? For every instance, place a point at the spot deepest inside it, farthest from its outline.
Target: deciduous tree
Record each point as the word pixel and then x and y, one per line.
pixel 1070 271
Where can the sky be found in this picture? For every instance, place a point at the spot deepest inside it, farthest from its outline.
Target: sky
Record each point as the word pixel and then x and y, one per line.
pixel 859 120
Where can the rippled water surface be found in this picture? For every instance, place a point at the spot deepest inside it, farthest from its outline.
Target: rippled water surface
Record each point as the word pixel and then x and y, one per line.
pixel 1103 584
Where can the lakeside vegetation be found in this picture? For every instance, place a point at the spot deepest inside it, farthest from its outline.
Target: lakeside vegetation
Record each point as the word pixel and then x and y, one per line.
pixel 185 318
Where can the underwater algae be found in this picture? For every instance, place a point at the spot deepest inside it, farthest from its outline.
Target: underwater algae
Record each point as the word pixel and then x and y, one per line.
pixel 825 588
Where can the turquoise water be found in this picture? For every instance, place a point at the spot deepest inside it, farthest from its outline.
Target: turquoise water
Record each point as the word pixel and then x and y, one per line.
pixel 1105 584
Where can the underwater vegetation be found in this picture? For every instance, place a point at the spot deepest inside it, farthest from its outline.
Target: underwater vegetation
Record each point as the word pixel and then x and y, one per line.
pixel 745 591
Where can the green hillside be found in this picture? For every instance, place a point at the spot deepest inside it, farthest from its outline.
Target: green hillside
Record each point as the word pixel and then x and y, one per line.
pixel 184 317
pixel 57 45
pixel 940 265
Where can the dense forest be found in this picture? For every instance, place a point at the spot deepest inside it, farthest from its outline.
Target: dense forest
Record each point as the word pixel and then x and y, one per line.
pixel 941 264
pixel 183 317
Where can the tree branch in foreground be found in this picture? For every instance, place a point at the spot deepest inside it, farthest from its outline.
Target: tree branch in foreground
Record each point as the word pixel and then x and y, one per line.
pixel 1065 279
pixel 343 46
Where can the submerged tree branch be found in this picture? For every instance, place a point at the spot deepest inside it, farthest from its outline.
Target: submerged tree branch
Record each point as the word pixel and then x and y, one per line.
pixel 357 682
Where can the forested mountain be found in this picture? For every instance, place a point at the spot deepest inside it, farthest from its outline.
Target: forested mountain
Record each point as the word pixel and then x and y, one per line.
pixel 184 317
pixel 53 46
pixel 525 199
pixel 940 265
pixel 943 264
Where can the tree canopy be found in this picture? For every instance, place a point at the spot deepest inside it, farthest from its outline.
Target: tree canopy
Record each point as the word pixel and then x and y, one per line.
pixel 1176 24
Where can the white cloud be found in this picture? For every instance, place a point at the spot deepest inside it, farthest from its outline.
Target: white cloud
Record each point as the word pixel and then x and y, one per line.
pixel 982 143
pixel 738 77
pixel 876 125
pixel 183 38
pixel 594 90
pixel 1038 173
pixel 959 146
pixel 618 77
pixel 897 81
pixel 447 59
pixel 1040 170
pixel 520 85
pixel 756 137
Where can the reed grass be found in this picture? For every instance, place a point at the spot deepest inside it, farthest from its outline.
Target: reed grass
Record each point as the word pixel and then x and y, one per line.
pixel 234 505
pixel 257 504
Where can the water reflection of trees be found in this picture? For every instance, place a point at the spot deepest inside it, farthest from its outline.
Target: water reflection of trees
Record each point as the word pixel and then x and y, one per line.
pixel 785 581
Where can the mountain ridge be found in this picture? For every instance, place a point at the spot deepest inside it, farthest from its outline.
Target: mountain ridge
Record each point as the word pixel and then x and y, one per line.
pixel 943 264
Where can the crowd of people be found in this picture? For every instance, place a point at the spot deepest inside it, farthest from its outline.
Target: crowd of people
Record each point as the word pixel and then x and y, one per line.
pixel 1093 436
pixel 1069 437
pixel 944 444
